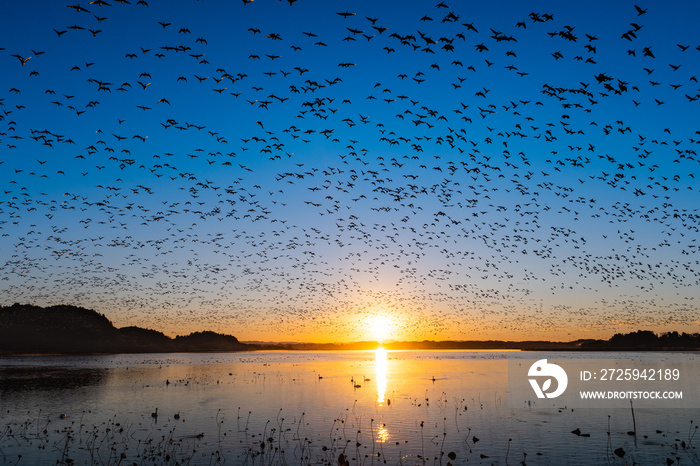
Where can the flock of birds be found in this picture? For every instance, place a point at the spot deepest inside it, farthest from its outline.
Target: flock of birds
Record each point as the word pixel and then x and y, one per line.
pixel 282 170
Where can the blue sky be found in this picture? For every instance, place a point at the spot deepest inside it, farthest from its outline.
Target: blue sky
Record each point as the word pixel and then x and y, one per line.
pixel 497 170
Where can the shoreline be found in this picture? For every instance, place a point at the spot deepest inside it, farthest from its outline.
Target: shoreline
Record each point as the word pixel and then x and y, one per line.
pixel 327 350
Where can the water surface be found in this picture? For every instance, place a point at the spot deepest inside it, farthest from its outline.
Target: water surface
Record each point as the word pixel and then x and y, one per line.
pixel 395 407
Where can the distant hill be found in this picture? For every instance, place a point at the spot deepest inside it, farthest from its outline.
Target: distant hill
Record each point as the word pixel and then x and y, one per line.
pixel 642 340
pixel 70 329
pixel 646 340
pixel 28 329
pixel 430 345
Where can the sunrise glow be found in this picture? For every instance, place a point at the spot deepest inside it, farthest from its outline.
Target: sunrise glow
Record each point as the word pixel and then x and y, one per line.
pixel 380 326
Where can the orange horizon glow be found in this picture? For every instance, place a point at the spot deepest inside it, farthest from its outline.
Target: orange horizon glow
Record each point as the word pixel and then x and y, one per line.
pixel 376 328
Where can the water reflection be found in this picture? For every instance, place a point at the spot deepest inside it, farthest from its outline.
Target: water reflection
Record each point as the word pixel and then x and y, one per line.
pixel 382 433
pixel 380 359
pixel 229 403
pixel 20 380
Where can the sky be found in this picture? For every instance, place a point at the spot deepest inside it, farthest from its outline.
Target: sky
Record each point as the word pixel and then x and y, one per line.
pixel 298 171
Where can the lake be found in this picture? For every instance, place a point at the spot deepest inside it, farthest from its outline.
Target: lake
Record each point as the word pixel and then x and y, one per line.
pixel 365 407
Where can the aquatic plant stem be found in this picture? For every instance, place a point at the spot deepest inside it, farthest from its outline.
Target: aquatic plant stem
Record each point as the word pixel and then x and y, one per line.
pixel 634 423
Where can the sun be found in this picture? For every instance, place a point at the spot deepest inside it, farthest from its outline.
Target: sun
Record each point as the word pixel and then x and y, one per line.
pixel 380 326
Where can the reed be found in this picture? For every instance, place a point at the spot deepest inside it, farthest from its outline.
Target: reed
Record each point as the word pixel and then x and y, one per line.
pixel 271 439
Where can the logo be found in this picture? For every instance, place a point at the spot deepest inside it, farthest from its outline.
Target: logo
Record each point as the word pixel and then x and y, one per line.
pixel 543 369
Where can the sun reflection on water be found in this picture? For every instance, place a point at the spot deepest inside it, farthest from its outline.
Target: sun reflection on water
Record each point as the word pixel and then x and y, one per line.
pixel 380 359
pixel 382 434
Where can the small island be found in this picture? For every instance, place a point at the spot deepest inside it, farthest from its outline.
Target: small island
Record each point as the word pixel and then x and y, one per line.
pixel 66 329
